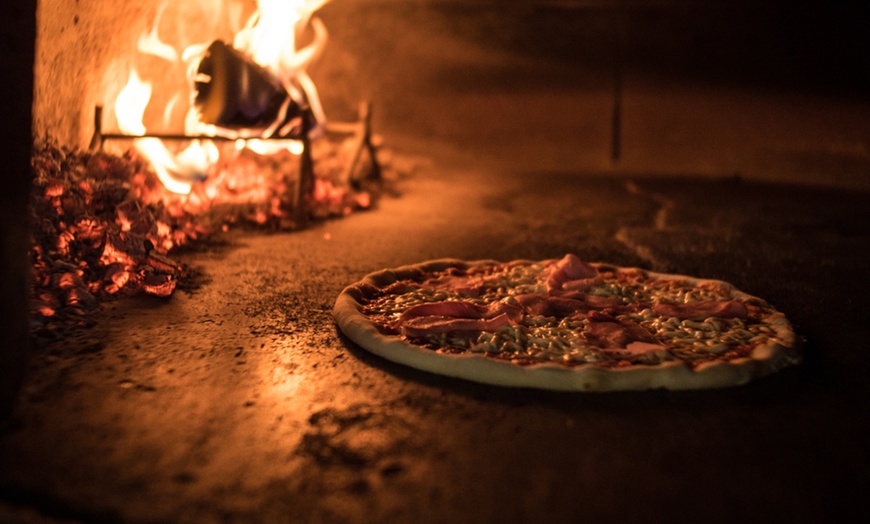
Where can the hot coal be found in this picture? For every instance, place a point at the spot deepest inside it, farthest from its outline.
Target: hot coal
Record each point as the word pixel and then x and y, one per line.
pixel 103 225
pixel 91 236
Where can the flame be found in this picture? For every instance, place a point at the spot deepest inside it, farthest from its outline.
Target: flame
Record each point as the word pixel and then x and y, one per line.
pixel 129 108
pixel 268 38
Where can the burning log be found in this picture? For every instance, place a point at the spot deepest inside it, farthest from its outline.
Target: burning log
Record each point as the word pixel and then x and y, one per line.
pixel 234 92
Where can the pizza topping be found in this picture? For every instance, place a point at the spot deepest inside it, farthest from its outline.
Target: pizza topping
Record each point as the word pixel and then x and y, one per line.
pixel 702 309
pixel 570 312
pixel 580 284
pixel 565 305
pixel 432 325
pixel 640 348
pixel 570 270
pixel 400 288
pixel 465 285
pixel 641 353
pixel 448 316
pixel 611 333
pixel 441 309
pixel 534 304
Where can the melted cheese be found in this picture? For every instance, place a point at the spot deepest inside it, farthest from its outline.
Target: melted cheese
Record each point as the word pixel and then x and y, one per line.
pixel 538 338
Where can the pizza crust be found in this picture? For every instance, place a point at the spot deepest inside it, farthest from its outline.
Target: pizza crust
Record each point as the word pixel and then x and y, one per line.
pixel 780 351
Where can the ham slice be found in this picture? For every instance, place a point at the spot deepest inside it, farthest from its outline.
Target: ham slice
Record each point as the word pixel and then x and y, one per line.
pixel 400 288
pixel 698 311
pixel 624 339
pixel 566 305
pixel 451 316
pixel 609 333
pixel 581 284
pixel 432 325
pixel 570 268
pixel 641 352
pixel 640 348
pixel 449 308
pixel 465 285
pixel 534 304
pixel 552 306
pixel 599 302
pixel 456 309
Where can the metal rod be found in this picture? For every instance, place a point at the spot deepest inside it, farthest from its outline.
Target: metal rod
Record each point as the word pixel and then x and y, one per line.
pixel 99 136
pixel 359 142
pixel 305 187
pixel 173 136
pixel 363 140
pixel 97 139
pixel 367 139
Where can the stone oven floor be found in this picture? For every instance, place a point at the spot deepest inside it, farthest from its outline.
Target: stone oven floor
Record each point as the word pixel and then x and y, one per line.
pixel 239 401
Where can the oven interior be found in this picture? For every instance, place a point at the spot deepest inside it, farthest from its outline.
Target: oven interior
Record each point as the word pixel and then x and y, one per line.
pixel 722 139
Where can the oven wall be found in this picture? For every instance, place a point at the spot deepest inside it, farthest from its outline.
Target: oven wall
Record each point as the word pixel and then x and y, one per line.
pixel 78 61
pixel 17 29
pixel 397 53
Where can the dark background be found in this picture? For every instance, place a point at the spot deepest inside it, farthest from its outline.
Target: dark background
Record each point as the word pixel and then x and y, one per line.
pixel 17 35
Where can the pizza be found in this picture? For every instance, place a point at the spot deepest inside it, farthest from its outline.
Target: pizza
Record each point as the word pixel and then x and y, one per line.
pixel 565 324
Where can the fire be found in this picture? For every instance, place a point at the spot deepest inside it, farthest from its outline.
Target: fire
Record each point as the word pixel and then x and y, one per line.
pixel 171 169
pixel 224 135
pixel 255 88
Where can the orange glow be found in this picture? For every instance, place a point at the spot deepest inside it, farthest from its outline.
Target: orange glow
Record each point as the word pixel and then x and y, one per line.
pixel 109 219
pixel 268 38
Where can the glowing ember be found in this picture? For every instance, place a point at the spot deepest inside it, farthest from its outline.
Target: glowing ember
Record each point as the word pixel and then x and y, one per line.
pixel 105 225
pixel 87 239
